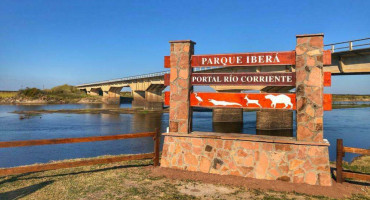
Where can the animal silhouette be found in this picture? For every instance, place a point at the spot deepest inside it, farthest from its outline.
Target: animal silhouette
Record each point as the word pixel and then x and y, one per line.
pixel 281 98
pixel 200 100
pixel 223 103
pixel 251 101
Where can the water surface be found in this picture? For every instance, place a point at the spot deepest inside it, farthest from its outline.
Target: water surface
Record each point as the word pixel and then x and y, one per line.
pixel 350 124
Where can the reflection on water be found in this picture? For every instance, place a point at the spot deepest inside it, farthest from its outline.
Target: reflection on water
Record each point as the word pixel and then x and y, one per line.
pixel 281 132
pixel 227 127
pixel 350 124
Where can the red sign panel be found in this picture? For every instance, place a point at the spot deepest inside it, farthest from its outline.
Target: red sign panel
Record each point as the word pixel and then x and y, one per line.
pixel 267 79
pixel 246 100
pixel 246 59
pixel 264 79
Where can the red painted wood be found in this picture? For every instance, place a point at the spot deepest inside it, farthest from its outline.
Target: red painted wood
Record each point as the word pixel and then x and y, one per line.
pixel 327 57
pixel 167 63
pixel 267 79
pixel 327 79
pixel 327 102
pixel 238 100
pixel 285 58
pixel 167 79
pixel 167 98
pixel 244 59
pixel 219 79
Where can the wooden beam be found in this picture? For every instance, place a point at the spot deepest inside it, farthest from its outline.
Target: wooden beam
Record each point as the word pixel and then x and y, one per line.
pixel 339 161
pixel 359 176
pixel 356 150
pixel 74 140
pixel 61 165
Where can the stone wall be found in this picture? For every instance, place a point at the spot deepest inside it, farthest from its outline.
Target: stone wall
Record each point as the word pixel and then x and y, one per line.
pixel 294 162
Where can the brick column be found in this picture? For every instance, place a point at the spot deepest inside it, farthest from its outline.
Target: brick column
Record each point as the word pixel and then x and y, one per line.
pixel 180 86
pixel 309 87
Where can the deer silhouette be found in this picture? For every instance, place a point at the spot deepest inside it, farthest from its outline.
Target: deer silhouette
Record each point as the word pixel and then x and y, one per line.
pixel 251 101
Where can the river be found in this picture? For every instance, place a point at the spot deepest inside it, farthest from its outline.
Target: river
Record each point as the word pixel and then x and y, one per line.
pixel 350 124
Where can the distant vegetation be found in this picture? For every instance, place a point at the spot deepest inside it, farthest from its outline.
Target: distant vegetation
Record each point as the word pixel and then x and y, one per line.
pixel 350 97
pixel 62 91
pixel 59 94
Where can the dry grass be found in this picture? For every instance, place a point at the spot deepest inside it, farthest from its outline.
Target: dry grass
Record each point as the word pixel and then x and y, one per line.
pixel 7 94
pixel 124 180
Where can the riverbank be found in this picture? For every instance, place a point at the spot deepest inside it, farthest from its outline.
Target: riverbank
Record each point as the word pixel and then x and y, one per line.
pixel 139 180
pixel 64 94
pixel 350 97
pixel 28 113
pixel 91 111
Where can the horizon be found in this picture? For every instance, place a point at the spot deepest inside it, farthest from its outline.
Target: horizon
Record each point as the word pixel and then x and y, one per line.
pixel 46 44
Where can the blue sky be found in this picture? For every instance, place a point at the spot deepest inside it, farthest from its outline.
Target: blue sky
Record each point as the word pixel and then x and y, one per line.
pixel 48 43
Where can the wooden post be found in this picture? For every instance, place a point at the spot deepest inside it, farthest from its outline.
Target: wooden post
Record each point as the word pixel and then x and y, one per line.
pixel 157 138
pixel 339 160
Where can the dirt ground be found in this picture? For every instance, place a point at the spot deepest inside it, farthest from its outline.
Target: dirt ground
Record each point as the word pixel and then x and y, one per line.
pixel 140 180
pixel 336 191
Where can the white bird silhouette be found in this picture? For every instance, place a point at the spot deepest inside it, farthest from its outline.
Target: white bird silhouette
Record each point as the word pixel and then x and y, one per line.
pixel 200 100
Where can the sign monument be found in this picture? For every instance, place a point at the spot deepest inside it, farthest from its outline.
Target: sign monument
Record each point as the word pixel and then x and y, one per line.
pixel 301 159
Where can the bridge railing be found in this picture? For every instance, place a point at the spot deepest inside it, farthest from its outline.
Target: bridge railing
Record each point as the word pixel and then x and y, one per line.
pixel 349 45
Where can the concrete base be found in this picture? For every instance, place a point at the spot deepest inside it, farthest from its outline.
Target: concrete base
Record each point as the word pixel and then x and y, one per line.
pixel 253 157
pixel 153 106
pixel 227 127
pixel 138 104
pixel 227 115
pixel 279 132
pixel 111 100
pixel 274 120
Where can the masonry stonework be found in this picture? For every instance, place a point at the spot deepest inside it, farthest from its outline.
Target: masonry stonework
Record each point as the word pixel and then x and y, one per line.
pixel 180 86
pixel 296 163
pixel 309 87
pixel 304 159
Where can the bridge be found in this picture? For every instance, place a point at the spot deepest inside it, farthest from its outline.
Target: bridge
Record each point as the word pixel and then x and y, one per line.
pixel 348 58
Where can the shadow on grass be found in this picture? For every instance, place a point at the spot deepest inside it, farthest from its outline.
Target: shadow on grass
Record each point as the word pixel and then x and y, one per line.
pixel 332 169
pixel 19 177
pixel 22 192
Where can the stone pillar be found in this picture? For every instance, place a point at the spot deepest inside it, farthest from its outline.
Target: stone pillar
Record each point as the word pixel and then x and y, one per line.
pixel 180 86
pixel 138 99
pixel 153 97
pixel 111 95
pixel 309 87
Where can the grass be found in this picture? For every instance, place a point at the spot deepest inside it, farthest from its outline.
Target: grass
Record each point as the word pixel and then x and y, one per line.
pixel 7 94
pixel 359 164
pixel 59 94
pixel 350 97
pixel 124 180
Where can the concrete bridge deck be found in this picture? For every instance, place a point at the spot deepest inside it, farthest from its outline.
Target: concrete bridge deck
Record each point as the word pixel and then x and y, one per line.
pixel 348 58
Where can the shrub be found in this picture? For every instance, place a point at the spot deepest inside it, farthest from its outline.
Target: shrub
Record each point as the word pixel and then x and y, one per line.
pixel 30 92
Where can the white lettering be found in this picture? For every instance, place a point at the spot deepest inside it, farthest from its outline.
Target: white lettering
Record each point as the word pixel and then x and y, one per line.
pixel 204 60
pixel 261 59
pixel 254 59
pixel 238 59
pixel 268 59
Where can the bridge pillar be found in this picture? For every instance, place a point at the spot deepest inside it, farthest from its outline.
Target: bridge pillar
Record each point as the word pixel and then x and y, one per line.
pixel 153 97
pixel 138 99
pixel 274 122
pixel 93 91
pixel 111 95
pixel 227 120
